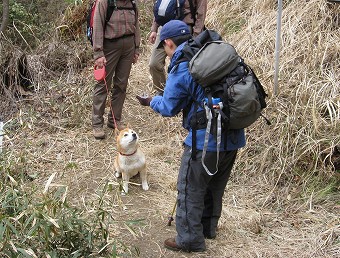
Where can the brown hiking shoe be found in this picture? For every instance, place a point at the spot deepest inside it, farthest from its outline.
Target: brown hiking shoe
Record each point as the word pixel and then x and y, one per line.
pixel 171 244
pixel 98 133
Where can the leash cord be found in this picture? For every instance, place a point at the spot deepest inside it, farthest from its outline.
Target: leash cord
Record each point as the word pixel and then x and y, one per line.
pixel 110 100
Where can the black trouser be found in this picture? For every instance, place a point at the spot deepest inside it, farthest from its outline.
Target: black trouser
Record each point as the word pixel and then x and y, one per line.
pixel 199 201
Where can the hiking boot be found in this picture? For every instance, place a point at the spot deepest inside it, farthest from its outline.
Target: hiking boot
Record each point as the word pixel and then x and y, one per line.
pixel 209 236
pixel 120 125
pixel 171 244
pixel 98 133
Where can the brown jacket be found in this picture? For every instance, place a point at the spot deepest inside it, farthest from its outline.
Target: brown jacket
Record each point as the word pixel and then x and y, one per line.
pixel 201 11
pixel 122 23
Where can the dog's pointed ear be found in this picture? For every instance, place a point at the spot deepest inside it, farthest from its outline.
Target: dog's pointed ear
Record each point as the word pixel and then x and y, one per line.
pixel 128 125
pixel 116 132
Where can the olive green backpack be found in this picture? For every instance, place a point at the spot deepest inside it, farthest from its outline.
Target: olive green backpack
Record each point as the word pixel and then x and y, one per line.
pixel 234 96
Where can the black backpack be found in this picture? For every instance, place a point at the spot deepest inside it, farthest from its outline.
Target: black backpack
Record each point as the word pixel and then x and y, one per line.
pixel 167 10
pixel 112 6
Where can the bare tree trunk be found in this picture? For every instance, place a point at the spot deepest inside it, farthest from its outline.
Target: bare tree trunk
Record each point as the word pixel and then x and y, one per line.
pixel 5 15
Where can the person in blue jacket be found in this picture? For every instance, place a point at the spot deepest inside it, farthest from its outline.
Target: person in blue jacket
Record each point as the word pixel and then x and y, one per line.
pixel 199 200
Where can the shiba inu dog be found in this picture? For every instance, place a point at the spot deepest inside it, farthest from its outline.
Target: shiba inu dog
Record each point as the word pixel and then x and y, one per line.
pixel 130 159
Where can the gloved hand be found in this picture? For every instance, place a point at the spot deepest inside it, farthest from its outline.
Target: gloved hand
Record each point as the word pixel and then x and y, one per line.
pixel 144 100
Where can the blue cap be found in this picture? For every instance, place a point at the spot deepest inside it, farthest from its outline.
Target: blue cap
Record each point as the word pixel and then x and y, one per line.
pixel 173 28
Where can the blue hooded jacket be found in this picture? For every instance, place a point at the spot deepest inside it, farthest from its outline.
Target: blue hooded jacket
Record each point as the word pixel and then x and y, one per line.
pixel 178 92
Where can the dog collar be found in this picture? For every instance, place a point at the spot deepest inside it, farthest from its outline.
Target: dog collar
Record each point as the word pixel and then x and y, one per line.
pixel 127 154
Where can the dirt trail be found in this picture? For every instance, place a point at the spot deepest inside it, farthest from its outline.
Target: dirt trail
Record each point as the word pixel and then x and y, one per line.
pixel 256 220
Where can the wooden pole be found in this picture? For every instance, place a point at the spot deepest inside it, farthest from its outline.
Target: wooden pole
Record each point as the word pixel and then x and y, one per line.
pixel 1 135
pixel 277 47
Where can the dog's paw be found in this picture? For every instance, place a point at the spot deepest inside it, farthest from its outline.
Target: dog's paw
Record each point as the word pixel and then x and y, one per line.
pixel 125 188
pixel 145 186
pixel 123 193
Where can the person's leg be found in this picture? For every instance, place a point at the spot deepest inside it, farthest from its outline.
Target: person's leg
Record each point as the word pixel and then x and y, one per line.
pixel 98 105
pixel 213 197
pixel 156 66
pixel 121 76
pixel 192 184
pixel 100 91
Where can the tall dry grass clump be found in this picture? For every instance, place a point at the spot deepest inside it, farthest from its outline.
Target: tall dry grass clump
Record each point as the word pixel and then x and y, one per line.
pixel 301 142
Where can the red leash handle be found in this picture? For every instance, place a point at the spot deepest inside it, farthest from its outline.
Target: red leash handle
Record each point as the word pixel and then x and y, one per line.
pixel 100 75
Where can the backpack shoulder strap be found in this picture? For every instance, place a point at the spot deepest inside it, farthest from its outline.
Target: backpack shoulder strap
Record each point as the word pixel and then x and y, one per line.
pixel 195 44
pixel 110 8
pixel 112 5
pixel 182 59
pixel 192 11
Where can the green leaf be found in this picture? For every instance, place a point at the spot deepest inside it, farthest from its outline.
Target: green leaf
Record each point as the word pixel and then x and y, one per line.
pixel 13 229
pixel 28 221
pixel 2 230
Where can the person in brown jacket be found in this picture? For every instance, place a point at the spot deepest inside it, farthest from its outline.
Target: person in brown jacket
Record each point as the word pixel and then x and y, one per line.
pixel 116 46
pixel 157 60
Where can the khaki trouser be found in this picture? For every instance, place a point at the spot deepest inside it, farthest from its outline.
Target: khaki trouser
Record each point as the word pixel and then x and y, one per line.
pixel 119 54
pixel 156 65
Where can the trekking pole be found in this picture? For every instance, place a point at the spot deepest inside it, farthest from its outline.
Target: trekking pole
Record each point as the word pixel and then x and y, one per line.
pixel 171 218
pixel 100 75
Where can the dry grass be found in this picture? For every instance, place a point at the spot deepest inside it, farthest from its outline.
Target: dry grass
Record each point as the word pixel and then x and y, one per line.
pixel 283 198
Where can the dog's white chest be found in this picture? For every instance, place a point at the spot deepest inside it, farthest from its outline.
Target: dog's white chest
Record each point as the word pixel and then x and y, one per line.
pixel 132 164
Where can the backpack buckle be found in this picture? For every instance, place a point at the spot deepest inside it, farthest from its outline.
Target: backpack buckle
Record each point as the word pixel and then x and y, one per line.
pixel 216 103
